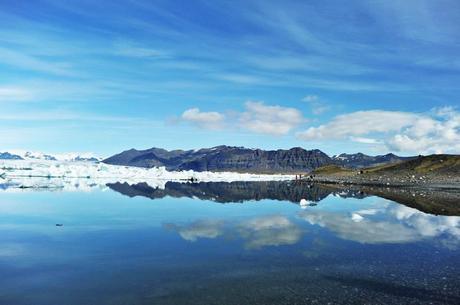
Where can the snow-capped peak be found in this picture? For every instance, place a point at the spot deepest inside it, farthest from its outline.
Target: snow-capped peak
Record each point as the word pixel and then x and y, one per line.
pixel 38 155
pixel 74 156
pixel 69 157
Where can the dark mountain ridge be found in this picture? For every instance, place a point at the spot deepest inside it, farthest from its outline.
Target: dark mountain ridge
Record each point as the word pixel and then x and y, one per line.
pixel 224 158
pixel 240 159
pixel 360 160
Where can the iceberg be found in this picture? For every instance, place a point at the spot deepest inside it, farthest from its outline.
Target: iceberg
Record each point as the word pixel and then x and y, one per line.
pixel 85 175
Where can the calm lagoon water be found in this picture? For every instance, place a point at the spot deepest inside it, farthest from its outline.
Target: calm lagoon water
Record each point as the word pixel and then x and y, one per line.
pixel 125 245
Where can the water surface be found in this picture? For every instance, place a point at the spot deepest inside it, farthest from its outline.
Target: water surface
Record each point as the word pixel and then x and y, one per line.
pixel 220 243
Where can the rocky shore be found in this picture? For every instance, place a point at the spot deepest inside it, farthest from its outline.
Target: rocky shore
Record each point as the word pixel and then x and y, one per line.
pixel 414 180
pixel 428 198
pixel 435 171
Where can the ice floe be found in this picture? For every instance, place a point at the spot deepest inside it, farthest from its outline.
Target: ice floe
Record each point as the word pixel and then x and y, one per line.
pixel 25 174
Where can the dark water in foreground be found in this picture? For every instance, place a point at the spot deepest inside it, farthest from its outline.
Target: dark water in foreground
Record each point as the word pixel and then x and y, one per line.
pixel 118 246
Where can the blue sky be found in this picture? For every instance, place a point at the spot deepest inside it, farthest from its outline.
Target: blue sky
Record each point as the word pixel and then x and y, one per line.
pixel 105 76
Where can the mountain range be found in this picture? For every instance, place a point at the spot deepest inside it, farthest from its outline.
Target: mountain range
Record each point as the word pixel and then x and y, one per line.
pixel 240 159
pixel 360 160
pixel 223 158
pixel 42 156
pixel 9 156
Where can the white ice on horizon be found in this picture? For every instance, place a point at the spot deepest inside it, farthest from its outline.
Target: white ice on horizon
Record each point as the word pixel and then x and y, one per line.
pixel 68 156
pixel 60 174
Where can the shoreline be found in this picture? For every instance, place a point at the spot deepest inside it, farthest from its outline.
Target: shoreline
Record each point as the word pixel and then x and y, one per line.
pixel 394 182
pixel 429 198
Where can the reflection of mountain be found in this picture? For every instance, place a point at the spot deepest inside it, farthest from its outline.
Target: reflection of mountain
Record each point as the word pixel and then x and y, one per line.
pixel 432 201
pixel 439 202
pixel 226 192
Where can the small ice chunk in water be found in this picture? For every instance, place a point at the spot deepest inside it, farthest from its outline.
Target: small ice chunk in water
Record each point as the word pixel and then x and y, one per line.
pixel 356 217
pixel 304 202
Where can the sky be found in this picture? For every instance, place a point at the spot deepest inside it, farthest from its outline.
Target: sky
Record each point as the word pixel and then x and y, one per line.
pixel 106 76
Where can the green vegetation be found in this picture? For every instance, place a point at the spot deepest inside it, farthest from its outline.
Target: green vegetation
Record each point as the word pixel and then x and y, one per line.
pixel 332 170
pixel 433 164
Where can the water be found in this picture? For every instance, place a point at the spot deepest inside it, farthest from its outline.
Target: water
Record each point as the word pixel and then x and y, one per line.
pixel 218 243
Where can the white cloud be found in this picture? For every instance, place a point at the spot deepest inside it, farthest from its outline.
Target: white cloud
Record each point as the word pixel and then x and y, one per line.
pixel 317 107
pixel 360 123
pixel 259 118
pixel 207 120
pixel 436 132
pixel 272 120
pixel 365 140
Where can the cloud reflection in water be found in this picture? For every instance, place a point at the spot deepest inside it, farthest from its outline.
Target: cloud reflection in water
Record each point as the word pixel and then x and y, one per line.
pixel 392 224
pixel 271 230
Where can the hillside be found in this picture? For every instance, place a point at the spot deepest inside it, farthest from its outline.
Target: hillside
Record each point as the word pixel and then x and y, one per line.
pixel 332 169
pixel 425 165
pixel 424 170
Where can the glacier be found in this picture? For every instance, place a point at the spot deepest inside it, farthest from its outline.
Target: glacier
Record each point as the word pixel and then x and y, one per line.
pixel 86 175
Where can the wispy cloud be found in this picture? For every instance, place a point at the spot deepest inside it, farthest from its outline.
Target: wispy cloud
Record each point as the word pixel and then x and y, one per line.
pixel 134 50
pixel 317 106
pixel 31 63
pixel 11 94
